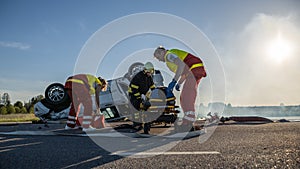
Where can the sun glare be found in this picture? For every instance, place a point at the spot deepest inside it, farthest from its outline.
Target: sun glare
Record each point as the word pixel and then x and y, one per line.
pixel 279 49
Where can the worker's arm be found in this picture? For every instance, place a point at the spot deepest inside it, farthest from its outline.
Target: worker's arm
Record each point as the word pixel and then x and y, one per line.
pixel 97 95
pixel 152 85
pixel 135 95
pixel 134 89
pixel 180 67
pixel 98 111
pixel 182 79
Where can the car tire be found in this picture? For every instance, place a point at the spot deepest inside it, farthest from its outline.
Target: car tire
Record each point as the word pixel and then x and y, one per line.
pixel 127 76
pixel 56 94
pixel 56 108
pixel 135 68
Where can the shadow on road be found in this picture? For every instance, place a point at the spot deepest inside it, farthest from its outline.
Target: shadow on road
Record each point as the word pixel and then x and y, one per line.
pixel 52 152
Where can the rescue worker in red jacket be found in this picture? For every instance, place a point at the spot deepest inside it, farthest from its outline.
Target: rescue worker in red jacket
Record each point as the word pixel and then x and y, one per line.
pixel 81 88
pixel 141 83
pixel 188 69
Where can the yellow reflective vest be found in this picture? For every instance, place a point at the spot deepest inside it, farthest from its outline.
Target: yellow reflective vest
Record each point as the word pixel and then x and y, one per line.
pixel 182 55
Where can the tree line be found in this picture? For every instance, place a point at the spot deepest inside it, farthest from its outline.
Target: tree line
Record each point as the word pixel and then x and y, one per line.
pixel 18 107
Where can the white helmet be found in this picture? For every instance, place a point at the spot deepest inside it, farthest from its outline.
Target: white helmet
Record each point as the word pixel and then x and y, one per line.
pixel 148 67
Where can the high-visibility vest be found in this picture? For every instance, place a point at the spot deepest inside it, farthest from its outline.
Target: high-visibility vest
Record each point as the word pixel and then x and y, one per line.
pixel 89 80
pixel 93 82
pixel 182 55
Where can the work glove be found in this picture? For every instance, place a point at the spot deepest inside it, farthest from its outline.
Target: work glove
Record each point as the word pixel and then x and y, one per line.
pixel 172 85
pixel 143 97
pixel 145 105
pixel 169 93
pixel 98 112
pixel 177 87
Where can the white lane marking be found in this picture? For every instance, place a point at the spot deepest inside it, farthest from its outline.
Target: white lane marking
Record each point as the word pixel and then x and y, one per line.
pixel 11 139
pixel 1 151
pixel 82 162
pixel 20 145
pixel 165 153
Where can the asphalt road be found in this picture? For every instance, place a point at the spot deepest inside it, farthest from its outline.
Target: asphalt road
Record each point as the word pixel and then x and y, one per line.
pixel 272 145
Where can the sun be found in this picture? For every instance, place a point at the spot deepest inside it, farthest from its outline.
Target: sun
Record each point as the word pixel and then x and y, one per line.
pixel 279 49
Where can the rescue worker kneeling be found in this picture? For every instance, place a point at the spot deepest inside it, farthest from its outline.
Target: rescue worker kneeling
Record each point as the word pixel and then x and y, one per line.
pixel 141 83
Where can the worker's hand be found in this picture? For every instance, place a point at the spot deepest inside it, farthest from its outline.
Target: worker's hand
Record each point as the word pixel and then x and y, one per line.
pixel 172 85
pixel 169 93
pixel 98 111
pixel 144 97
pixel 141 106
pixel 177 87
pixel 147 104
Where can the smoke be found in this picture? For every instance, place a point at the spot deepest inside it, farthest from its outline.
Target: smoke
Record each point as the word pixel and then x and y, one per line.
pixel 253 77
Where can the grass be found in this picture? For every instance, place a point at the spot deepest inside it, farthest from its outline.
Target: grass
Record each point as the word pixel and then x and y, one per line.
pixel 17 118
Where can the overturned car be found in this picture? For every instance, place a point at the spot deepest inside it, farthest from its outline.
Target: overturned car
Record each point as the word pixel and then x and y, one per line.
pixel 114 102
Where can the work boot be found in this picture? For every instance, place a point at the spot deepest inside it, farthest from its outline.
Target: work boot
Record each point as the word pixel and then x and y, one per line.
pixel 137 126
pixel 68 128
pixel 147 127
pixel 88 129
pixel 187 122
pixel 74 128
pixel 184 128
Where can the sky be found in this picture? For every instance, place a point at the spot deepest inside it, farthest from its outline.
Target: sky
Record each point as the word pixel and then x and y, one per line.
pixel 250 48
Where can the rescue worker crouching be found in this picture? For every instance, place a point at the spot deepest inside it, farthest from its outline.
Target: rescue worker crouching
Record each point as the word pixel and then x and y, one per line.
pixel 81 88
pixel 138 88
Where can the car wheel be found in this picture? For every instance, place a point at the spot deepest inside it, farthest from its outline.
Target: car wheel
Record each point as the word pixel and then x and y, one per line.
pixel 135 68
pixel 127 76
pixel 56 94
pixel 56 108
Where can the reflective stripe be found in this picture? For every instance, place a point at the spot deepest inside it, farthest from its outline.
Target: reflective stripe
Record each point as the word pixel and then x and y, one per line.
pixel 153 107
pixel 156 100
pixel 196 65
pixel 137 94
pixel 136 115
pixel 86 122
pixel 75 80
pixel 171 98
pixel 171 107
pixel 129 90
pixel 160 107
pixel 87 117
pixel 71 122
pixel 189 113
pixel 189 118
pixel 71 117
pixel 152 87
pixel 134 86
